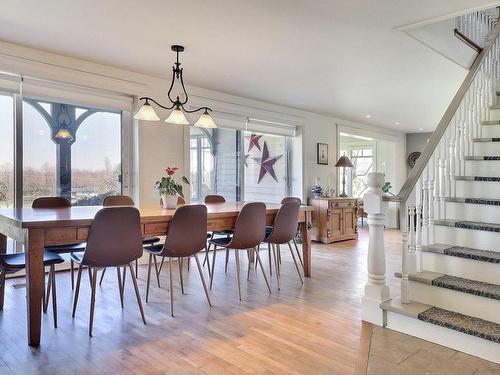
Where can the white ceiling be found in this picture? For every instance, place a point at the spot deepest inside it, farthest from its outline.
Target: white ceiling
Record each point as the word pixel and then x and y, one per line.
pixel 336 57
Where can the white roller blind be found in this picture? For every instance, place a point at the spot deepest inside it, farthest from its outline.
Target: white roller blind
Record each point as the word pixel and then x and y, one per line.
pixel 226 121
pixel 76 95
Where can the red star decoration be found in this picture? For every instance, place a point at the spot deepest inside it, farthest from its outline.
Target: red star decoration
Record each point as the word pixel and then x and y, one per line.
pixel 254 141
pixel 266 163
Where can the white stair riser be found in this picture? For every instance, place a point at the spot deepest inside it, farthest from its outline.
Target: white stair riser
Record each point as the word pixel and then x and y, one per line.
pixel 475 346
pixel 490 131
pixel 488 168
pixel 486 148
pixel 464 303
pixel 461 267
pixel 478 189
pixel 476 239
pixel 473 212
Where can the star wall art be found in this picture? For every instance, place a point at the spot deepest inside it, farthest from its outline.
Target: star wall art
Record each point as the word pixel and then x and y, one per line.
pixel 266 163
pixel 254 141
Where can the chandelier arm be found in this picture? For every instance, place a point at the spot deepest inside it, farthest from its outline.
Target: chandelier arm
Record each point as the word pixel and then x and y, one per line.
pixel 184 89
pixel 196 110
pixel 147 98
pixel 172 86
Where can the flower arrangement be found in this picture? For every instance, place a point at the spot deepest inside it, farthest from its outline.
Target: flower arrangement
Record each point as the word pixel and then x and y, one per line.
pixel 169 188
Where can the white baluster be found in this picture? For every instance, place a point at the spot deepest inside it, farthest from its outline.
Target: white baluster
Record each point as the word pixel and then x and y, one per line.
pixel 425 207
pixel 412 264
pixel 376 289
pixel 405 287
pixel 418 237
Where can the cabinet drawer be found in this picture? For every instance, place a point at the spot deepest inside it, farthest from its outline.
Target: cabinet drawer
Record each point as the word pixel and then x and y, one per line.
pixel 334 204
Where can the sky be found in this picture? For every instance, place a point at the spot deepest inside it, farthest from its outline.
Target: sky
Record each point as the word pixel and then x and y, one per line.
pixel 97 138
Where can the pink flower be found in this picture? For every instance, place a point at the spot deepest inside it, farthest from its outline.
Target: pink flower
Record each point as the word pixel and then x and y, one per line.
pixel 171 170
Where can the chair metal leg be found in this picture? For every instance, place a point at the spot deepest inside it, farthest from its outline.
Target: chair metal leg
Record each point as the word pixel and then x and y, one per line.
pixel 123 278
pixel 278 254
pixel 161 265
pixel 77 290
pixel 189 262
pixel 136 269
pixel 137 295
pixel 157 271
pixel 102 275
pixel 149 276
pixel 92 299
pixel 208 261
pixel 52 275
pixel 120 285
pixel 213 269
pixel 202 278
pixel 171 286
pixel 237 256
pixel 227 260
pixel 47 292
pixel 2 288
pixel 276 266
pixel 298 253
pixel 207 249
pixel 295 261
pixel 270 260
pixel 179 262
pixel 90 276
pixel 263 272
pixel 72 270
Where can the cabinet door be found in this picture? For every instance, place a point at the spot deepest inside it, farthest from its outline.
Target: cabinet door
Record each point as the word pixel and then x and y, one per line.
pixel 334 223
pixel 349 221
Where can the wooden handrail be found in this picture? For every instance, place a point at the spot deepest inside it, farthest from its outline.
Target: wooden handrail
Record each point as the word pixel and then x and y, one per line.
pixel 434 140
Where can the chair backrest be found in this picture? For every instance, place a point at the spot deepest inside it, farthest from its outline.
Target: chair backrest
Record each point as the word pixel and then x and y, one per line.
pixel 118 200
pixel 114 238
pixel 214 199
pixel 285 223
pixel 291 199
pixel 51 202
pixel 250 227
pixel 186 232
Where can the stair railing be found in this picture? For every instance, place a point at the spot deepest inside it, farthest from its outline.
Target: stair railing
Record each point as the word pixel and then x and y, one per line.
pixel 433 178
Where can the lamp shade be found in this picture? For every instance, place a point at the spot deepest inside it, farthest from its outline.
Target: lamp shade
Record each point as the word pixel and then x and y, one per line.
pixel 147 113
pixel 177 117
pixel 344 162
pixel 205 121
pixel 64 133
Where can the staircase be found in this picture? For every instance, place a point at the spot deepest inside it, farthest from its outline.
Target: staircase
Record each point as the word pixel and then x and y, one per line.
pixel 450 224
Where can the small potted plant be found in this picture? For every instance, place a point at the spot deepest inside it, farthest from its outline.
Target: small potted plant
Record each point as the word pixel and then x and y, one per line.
pixel 169 189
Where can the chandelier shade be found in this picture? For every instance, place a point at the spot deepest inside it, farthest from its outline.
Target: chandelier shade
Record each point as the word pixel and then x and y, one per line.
pixel 178 99
pixel 177 117
pixel 147 113
pixel 205 121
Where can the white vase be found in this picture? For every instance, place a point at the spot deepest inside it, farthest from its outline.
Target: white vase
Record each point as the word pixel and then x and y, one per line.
pixel 169 201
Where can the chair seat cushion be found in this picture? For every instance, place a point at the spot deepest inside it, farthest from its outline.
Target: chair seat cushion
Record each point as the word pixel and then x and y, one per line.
pixel 17 261
pixel 64 249
pixel 150 240
pixel 222 241
pixel 154 249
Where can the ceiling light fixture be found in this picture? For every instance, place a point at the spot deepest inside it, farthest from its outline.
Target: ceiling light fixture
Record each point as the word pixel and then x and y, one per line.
pixel 368 116
pixel 396 123
pixel 177 116
pixel 420 129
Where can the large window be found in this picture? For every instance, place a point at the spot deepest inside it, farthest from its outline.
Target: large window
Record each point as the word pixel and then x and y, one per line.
pixel 6 150
pixel 362 159
pixel 238 165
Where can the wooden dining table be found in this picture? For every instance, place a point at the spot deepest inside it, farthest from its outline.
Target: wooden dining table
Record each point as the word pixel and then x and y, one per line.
pixel 39 227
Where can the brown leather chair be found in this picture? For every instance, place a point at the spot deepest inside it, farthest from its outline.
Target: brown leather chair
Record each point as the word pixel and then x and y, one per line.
pixel 125 200
pixel 12 263
pixel 213 198
pixel 283 231
pixel 114 240
pixel 185 237
pixel 249 232
pixel 59 202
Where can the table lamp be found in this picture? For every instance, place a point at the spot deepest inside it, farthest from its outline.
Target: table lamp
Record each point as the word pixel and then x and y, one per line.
pixel 343 162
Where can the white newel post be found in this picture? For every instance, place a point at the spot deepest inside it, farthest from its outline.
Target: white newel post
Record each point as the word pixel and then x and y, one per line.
pixel 376 290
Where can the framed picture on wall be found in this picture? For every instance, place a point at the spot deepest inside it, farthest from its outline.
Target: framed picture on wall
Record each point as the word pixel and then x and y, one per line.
pixel 322 153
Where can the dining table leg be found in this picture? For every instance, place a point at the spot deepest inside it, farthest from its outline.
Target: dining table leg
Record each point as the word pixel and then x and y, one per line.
pixel 3 250
pixel 34 283
pixel 305 231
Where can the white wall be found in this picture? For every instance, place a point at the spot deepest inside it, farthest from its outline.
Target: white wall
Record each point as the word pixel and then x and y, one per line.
pixel 160 144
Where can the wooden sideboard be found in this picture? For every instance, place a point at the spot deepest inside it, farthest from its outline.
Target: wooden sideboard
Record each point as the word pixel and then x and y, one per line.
pixel 334 219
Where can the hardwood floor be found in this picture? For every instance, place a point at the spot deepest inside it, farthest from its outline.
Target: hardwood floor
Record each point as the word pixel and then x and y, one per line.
pixel 313 328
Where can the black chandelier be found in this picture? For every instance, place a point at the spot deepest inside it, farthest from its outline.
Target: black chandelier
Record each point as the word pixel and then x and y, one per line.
pixel 147 112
